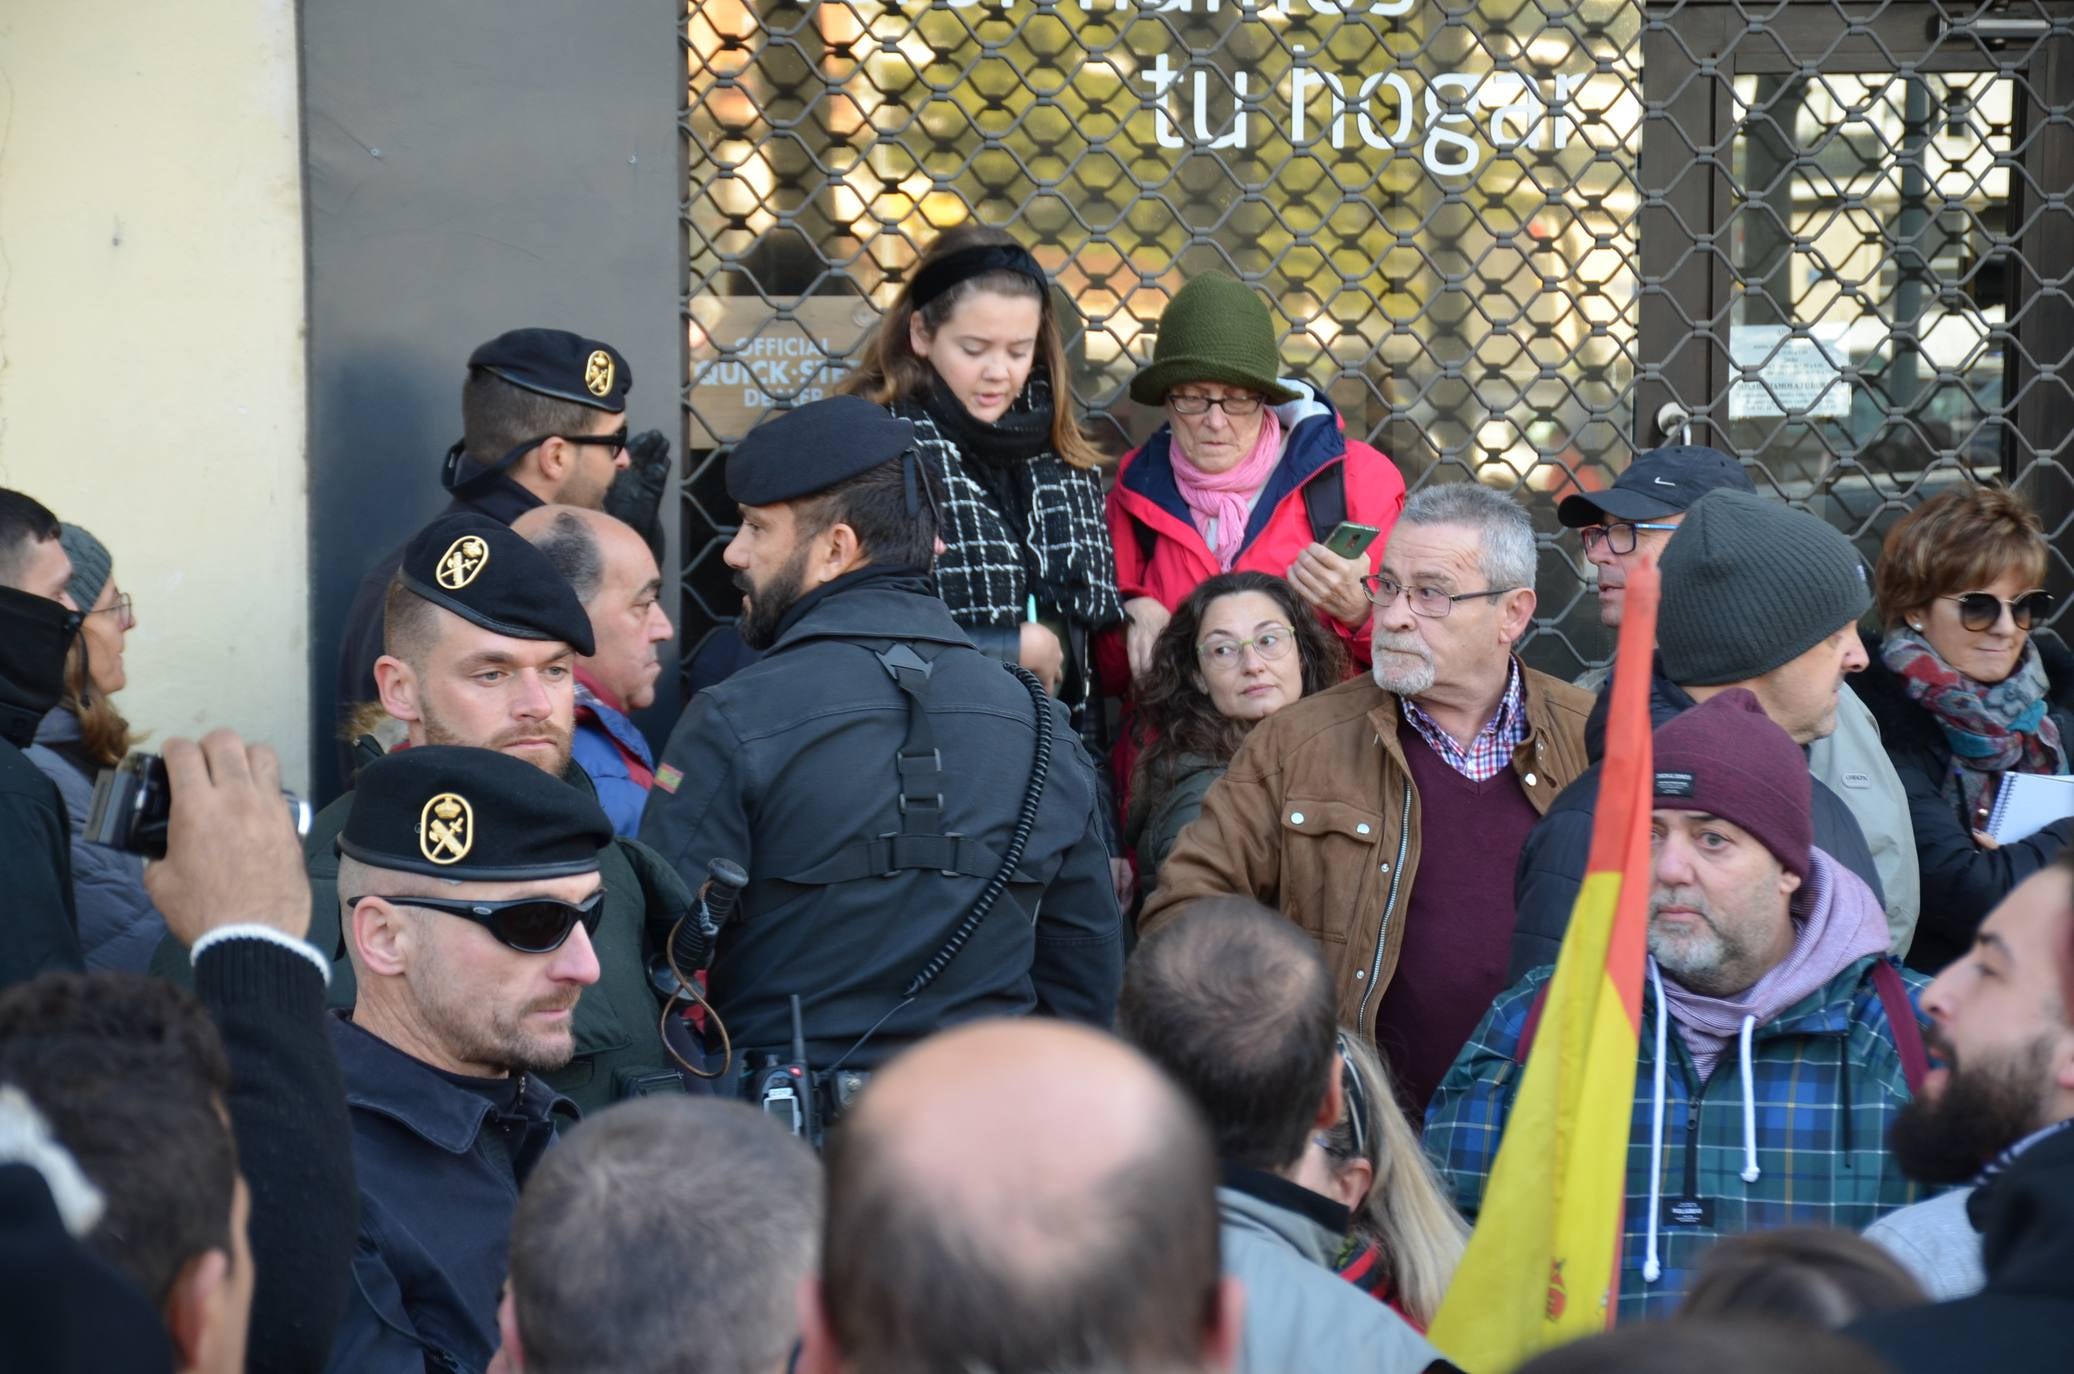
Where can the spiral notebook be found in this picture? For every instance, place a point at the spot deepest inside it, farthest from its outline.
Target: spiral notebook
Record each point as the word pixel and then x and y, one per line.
pixel 2026 803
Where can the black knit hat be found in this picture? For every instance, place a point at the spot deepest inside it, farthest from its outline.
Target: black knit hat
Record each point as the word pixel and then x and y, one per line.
pixel 1749 584
pixel 478 569
pixel 473 815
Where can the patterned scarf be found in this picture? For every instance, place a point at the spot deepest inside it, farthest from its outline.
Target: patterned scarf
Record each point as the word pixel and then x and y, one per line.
pixel 1051 539
pixel 1226 497
pixel 1992 728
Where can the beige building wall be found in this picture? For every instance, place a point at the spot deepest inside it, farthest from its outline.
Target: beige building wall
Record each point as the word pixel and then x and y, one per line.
pixel 151 336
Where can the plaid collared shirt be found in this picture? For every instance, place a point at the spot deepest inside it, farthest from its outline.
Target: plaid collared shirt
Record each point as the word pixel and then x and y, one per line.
pixel 1491 750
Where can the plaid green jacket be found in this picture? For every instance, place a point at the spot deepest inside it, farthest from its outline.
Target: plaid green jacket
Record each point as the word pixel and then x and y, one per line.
pixel 1827 1081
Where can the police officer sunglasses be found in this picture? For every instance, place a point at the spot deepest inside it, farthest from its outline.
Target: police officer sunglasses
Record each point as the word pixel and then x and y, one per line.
pixel 1980 611
pixel 530 925
pixel 616 440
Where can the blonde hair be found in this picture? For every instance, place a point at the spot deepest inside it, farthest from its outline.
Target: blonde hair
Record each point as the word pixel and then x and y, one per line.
pixel 1406 1213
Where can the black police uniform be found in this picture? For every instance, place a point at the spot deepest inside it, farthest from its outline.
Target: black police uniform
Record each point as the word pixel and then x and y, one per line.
pixel 866 840
pixel 503 583
pixel 552 362
pixel 441 1157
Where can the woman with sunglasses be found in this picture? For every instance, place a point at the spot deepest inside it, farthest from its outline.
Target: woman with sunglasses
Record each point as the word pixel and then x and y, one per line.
pixel 119 928
pixel 1966 693
pixel 1241 647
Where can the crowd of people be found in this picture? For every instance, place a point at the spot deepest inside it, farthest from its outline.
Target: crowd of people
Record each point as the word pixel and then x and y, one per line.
pixel 1090 918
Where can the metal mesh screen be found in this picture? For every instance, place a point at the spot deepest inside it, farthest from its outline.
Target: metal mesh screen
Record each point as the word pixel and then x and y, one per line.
pixel 1449 207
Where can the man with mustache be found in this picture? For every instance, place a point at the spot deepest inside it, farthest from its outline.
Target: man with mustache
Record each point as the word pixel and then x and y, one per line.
pixel 482 637
pixel 1997 1112
pixel 1629 523
pixel 1383 815
pixel 469 884
pixel 1777 1036
pixel 1757 596
pixel 614 575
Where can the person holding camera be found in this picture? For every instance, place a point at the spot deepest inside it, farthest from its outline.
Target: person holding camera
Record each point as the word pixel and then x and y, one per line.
pixel 469 884
pixel 37 624
pixel 919 828
pixel 81 735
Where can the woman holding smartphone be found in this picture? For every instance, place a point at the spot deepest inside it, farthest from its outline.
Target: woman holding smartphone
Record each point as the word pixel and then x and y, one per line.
pixel 1252 472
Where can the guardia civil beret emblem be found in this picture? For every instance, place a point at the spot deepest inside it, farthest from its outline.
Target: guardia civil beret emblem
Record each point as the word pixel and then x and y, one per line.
pixel 598 373
pixel 463 560
pixel 446 828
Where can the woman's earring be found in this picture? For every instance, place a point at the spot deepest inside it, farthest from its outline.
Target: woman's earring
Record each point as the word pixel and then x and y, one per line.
pixel 1916 625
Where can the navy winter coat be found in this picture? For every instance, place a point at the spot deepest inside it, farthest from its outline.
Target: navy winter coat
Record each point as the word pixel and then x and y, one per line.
pixel 119 928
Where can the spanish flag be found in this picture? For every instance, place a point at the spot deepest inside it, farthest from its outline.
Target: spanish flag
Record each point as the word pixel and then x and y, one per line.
pixel 1543 1265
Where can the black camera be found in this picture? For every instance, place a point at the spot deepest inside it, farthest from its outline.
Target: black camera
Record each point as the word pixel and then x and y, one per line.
pixel 133 803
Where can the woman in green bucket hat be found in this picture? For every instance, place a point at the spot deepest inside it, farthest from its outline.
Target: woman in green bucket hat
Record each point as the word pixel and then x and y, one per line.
pixel 1234 479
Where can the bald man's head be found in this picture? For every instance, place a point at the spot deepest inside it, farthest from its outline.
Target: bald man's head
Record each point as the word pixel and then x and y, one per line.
pixel 1236 1005
pixel 1020 1196
pixel 616 578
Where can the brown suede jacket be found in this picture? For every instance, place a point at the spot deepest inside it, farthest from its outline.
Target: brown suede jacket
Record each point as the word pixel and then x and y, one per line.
pixel 1317 817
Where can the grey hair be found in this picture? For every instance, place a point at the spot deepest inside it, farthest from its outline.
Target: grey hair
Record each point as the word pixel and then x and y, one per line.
pixel 1505 532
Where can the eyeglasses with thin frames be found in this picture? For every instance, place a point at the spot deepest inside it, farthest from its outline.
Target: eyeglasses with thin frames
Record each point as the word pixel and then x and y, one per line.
pixel 1224 655
pixel 1430 602
pixel 122 608
pixel 1237 406
pixel 1619 536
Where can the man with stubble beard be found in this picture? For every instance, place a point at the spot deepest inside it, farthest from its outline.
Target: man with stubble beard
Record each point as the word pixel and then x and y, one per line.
pixel 470 889
pixel 481 636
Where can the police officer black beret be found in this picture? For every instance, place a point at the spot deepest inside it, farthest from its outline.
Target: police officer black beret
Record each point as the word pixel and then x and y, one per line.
pixel 473 815
pixel 556 363
pixel 811 449
pixel 478 569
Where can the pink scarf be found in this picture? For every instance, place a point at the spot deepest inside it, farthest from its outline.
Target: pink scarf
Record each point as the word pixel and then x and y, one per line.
pixel 1225 496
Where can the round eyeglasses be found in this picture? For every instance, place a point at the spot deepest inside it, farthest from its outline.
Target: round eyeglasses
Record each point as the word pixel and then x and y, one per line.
pixel 1271 644
pixel 1980 611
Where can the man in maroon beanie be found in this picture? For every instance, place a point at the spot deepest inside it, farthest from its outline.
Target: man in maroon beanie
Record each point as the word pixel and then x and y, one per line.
pixel 1778 1039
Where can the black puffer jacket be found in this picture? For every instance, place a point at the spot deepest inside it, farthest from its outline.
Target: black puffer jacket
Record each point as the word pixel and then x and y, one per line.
pixel 1961 881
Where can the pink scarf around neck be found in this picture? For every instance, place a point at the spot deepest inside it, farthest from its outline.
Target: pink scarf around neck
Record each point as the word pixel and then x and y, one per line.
pixel 1226 497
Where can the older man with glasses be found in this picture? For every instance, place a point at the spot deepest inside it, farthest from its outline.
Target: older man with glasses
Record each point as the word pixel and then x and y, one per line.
pixel 1633 520
pixel 1384 816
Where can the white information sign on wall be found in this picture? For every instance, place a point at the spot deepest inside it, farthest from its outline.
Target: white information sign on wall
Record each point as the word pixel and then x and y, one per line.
pixel 1779 374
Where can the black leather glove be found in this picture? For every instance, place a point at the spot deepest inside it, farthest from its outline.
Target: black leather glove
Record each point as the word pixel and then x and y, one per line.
pixel 636 495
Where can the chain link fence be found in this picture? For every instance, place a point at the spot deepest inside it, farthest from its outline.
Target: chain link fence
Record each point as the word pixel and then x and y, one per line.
pixel 1831 237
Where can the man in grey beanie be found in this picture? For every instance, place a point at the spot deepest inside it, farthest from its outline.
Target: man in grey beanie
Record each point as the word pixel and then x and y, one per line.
pixel 1756 594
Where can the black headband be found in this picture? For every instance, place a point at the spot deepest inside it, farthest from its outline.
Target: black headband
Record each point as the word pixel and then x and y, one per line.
pixel 967 263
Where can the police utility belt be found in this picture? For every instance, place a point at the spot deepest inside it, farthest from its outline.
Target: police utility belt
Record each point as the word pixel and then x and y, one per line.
pixel 808 1100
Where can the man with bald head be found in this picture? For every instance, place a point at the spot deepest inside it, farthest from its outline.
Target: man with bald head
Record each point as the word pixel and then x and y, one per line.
pixel 616 578
pixel 1236 1004
pixel 1021 1197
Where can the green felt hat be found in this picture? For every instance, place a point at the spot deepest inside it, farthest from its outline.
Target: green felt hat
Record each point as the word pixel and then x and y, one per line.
pixel 1214 330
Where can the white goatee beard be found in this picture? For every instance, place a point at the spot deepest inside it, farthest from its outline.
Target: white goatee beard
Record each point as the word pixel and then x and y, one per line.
pixel 1394 675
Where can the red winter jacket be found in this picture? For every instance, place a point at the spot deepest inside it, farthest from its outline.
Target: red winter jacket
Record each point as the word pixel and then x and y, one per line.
pixel 1161 554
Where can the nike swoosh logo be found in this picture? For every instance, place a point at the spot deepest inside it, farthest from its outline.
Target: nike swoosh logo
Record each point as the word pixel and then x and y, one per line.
pixel 1662 483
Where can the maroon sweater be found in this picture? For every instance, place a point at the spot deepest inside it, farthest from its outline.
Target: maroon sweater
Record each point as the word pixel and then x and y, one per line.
pixel 1457 918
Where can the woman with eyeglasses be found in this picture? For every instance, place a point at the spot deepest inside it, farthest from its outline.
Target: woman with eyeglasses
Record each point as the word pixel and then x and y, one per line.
pixel 1251 472
pixel 119 928
pixel 1241 647
pixel 1965 693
